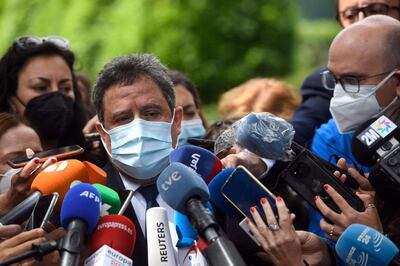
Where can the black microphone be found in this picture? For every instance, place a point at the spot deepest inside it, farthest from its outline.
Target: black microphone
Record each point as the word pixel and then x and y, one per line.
pixel 38 251
pixel 185 191
pixel 376 144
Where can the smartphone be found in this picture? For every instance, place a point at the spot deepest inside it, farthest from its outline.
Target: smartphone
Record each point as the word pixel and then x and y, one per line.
pixel 125 197
pixel 307 174
pixel 204 143
pixel 42 211
pixel 59 153
pixel 243 191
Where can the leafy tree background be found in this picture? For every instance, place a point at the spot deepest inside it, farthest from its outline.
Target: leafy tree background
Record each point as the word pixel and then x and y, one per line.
pixel 219 44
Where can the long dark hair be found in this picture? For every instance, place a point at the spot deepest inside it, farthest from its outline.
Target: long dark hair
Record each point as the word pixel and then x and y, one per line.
pixel 14 60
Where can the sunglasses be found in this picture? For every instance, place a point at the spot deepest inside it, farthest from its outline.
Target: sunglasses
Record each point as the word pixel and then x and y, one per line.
pixel 351 13
pixel 29 41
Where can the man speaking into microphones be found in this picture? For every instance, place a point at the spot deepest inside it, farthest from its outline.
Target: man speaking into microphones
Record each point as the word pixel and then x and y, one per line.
pixel 139 127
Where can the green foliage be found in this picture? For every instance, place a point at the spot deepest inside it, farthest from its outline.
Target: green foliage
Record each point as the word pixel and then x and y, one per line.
pixel 219 44
pixel 314 39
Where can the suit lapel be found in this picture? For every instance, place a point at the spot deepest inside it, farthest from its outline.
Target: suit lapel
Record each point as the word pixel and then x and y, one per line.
pixel 114 181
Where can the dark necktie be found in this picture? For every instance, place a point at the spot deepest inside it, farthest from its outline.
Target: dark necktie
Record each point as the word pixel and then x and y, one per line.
pixel 150 194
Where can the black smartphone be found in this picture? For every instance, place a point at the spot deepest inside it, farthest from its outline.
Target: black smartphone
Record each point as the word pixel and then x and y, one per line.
pixel 59 153
pixel 204 143
pixel 42 211
pixel 243 191
pixel 125 197
pixel 307 174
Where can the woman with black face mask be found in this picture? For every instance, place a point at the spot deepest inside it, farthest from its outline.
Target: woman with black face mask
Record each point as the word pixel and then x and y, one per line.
pixel 37 81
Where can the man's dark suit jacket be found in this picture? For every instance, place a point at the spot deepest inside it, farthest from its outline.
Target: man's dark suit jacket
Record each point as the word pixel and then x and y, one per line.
pixel 114 181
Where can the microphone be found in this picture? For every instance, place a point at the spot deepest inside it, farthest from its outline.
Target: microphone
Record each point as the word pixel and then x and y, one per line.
pixel 114 234
pixel 184 229
pixel 225 206
pixel 363 245
pixel 110 202
pixel 60 176
pixel 159 242
pixel 188 252
pixel 185 191
pixel 201 160
pixel 266 135
pixel 216 197
pixel 370 137
pixel 80 212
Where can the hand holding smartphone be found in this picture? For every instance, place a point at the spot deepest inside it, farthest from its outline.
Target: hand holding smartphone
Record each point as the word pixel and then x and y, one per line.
pixel 59 153
pixel 243 191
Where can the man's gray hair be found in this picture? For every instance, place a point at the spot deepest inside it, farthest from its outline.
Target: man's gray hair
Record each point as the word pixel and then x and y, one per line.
pixel 125 70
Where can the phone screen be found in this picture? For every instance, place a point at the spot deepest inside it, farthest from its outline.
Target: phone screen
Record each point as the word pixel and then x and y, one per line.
pixel 244 191
pixel 60 153
pixel 42 211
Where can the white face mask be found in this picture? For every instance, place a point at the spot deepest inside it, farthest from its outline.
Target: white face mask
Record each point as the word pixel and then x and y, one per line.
pixel 5 181
pixel 141 148
pixel 191 129
pixel 350 110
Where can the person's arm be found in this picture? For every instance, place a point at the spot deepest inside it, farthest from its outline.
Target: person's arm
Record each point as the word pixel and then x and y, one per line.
pixel 21 184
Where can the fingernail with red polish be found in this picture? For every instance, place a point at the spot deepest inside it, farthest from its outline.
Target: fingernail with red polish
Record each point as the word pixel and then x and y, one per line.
pixel 53 160
pixel 279 199
pixel 326 187
pixel 252 209
pixel 247 221
pixel 315 198
pixel 36 160
pixel 263 200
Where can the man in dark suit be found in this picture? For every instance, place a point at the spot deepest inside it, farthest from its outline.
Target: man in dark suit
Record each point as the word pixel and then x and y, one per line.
pixel 139 126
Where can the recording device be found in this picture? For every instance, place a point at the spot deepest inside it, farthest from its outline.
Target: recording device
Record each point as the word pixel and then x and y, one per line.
pixel 60 176
pixel 266 135
pixel 188 251
pixel 80 212
pixel 185 191
pixel 22 211
pixel 110 202
pixel 106 256
pixel 160 249
pixel 204 162
pixel 307 174
pixel 375 143
pixel 243 191
pixel 42 211
pixel 203 143
pixel 117 232
pixel 59 153
pixel 218 199
pixel 363 245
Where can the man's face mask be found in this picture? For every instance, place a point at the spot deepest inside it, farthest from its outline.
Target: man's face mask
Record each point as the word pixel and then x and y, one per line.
pixel 191 129
pixel 50 114
pixel 350 110
pixel 141 148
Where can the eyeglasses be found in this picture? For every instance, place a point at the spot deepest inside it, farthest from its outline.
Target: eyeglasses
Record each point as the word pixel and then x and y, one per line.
pixel 27 42
pixel 350 84
pixel 351 14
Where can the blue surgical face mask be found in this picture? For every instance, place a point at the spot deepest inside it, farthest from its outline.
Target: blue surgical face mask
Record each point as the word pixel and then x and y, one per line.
pixel 141 148
pixel 191 129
